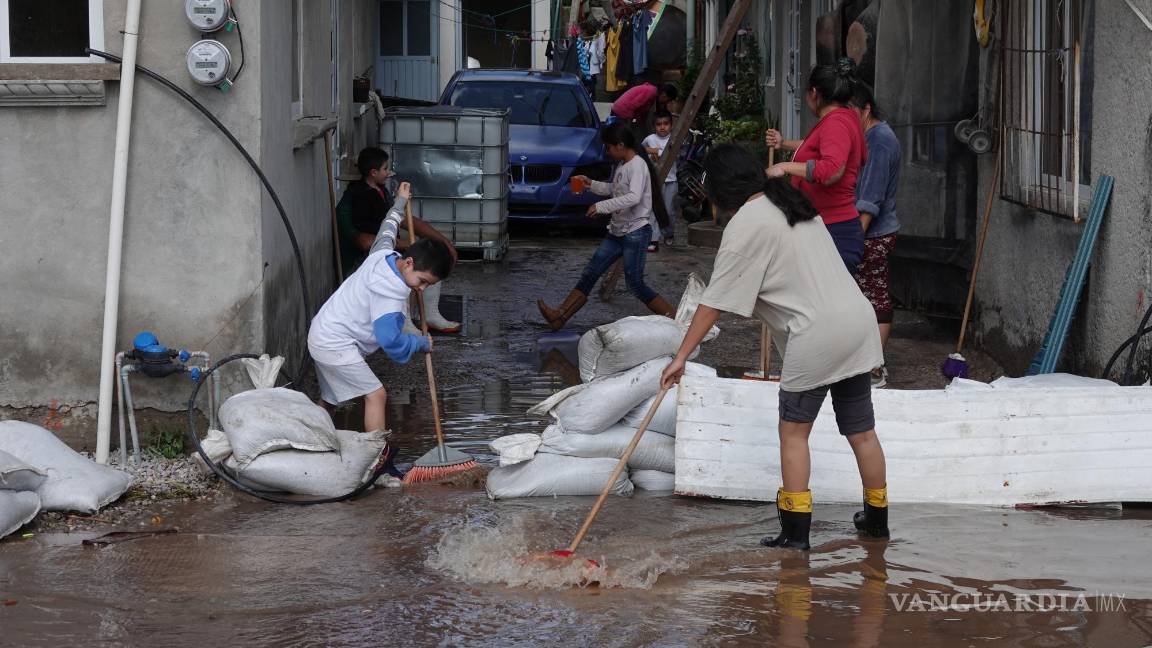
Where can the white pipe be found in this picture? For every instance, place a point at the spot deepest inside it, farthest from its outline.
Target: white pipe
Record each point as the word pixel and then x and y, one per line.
pixel 116 230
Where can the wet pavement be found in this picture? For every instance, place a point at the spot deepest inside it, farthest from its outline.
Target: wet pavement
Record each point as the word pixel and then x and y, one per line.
pixel 435 566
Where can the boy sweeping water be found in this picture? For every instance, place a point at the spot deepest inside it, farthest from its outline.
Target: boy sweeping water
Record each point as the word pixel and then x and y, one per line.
pixel 366 313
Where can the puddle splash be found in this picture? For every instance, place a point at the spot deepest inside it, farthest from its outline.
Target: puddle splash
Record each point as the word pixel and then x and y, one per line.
pixel 480 554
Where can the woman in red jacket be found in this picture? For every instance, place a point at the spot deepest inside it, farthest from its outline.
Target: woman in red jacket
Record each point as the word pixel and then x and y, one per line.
pixel 827 162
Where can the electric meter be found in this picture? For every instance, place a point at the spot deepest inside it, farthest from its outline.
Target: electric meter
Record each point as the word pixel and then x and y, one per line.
pixel 208 62
pixel 207 15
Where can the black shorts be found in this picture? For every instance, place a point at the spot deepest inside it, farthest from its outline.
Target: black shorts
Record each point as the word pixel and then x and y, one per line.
pixel 851 398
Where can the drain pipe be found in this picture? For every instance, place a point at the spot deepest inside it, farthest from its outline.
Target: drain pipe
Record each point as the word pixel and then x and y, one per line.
pixel 116 231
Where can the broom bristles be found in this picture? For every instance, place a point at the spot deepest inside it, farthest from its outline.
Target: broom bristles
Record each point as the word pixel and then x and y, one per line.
pixel 421 474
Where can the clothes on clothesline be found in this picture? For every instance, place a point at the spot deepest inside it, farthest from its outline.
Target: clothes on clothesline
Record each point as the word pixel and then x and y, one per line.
pixel 612 83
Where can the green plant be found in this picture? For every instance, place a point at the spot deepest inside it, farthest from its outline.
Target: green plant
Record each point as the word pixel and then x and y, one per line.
pixel 743 95
pixel 164 440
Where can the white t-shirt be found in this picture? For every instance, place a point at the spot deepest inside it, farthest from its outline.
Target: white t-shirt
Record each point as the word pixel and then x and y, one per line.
pixel 657 142
pixel 793 280
pixel 342 332
pixel 631 202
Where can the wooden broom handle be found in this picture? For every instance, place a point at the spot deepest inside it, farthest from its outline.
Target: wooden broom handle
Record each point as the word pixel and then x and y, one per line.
pixel 619 469
pixel 424 330
pixel 979 254
pixel 765 334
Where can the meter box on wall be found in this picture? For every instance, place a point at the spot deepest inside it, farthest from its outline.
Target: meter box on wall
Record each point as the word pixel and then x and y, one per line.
pixel 207 15
pixel 457 162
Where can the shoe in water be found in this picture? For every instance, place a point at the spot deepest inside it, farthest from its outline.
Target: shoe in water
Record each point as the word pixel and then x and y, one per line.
pixel 653 247
pixel 872 522
pixel 794 531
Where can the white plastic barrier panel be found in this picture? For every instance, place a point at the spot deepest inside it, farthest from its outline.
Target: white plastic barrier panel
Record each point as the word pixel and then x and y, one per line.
pixel 998 447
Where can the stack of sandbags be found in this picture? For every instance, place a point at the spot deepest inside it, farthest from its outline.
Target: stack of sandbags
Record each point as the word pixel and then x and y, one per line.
pixel 592 423
pixel 19 502
pixel 39 472
pixel 278 440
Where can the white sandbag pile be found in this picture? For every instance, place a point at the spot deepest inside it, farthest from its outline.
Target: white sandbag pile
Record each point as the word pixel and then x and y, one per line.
pixel 653 480
pixel 259 421
pixel 592 407
pixel 631 341
pixel 19 502
pixel 17 508
pixel 321 474
pixel 278 440
pixel 15 475
pixel 553 475
pixel 654 452
pixel 593 423
pixel 71 481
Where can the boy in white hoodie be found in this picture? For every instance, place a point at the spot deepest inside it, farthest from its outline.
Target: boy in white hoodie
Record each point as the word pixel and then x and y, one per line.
pixel 367 312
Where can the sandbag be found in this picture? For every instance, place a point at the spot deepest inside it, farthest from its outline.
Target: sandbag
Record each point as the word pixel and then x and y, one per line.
pixel 216 446
pixel 665 420
pixel 266 420
pixel 554 475
pixel 690 301
pixel 592 407
pixel 515 448
pixel 322 474
pixel 629 342
pixel 653 480
pixel 17 508
pixel 654 452
pixel 74 482
pixel 15 475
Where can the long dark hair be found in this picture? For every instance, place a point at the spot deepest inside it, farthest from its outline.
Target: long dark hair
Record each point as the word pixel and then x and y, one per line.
pixel 863 97
pixel 620 133
pixel 733 174
pixel 834 83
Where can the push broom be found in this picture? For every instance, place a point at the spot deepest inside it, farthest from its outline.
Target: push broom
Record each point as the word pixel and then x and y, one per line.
pixel 441 461
pixel 955 366
pixel 564 556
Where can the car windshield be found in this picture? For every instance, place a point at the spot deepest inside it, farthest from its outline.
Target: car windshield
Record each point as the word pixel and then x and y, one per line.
pixel 530 104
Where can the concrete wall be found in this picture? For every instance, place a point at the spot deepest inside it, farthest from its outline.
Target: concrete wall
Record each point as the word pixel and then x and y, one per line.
pixel 296 165
pixel 1027 253
pixel 187 268
pixel 207 263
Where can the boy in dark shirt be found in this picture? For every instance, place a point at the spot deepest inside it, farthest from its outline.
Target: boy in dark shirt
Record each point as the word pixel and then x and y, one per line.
pixel 363 208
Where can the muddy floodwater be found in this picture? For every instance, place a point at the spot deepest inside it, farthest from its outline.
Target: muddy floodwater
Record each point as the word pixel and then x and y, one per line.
pixel 433 566
pixel 443 567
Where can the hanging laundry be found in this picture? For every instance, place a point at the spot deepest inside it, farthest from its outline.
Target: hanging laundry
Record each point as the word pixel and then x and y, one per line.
pixel 596 54
pixel 640 23
pixel 584 57
pixel 611 60
pixel 624 62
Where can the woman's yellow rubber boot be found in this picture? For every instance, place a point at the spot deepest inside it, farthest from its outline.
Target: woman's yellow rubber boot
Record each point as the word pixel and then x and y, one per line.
pixel 795 520
pixel 873 520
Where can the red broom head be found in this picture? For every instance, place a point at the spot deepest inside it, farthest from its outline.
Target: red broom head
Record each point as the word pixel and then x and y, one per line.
pixel 426 474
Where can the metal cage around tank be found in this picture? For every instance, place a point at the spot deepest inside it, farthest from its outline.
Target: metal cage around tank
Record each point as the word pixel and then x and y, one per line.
pixel 457 162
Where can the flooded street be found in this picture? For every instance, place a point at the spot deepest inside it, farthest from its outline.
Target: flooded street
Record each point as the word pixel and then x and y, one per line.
pixel 434 566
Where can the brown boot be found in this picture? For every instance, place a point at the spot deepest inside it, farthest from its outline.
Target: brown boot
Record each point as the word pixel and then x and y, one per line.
pixel 558 317
pixel 661 307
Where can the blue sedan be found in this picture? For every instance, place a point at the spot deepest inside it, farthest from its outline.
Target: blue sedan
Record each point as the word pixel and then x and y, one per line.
pixel 554 133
